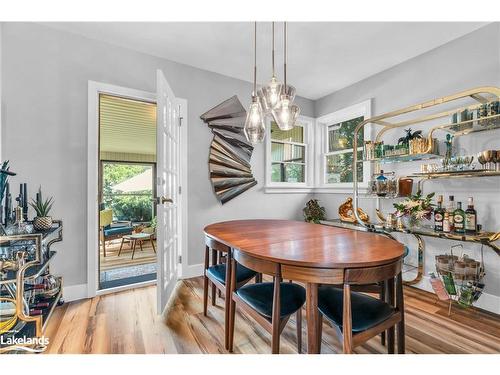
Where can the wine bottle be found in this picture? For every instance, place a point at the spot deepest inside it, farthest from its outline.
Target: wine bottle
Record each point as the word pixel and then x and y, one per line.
pixel 470 218
pixel 459 219
pixel 451 210
pixel 439 215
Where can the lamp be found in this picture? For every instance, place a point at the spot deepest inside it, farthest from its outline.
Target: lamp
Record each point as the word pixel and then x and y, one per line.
pixel 269 95
pixel 285 113
pixel 254 129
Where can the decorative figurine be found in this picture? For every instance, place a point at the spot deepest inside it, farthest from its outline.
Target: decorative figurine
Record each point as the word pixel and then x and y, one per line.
pixel 346 212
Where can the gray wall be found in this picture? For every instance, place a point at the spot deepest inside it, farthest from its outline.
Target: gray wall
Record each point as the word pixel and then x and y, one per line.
pixel 470 61
pixel 45 130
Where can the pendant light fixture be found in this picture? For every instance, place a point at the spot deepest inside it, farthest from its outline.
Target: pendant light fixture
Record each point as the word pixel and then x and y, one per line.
pixel 285 113
pixel 269 95
pixel 254 129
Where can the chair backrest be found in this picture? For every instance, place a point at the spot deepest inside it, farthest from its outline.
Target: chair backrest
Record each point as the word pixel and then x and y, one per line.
pixel 371 275
pixel 257 265
pixel 105 217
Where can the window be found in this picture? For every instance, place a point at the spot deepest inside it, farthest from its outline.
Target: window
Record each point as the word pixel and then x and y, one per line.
pixel 287 154
pixel 335 142
pixel 287 157
pixel 338 158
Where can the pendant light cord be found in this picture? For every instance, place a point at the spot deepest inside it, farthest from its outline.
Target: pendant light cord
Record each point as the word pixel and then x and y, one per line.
pixel 284 53
pixel 274 73
pixel 255 59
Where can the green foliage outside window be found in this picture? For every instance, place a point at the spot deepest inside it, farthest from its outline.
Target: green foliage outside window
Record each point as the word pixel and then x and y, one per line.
pixel 131 206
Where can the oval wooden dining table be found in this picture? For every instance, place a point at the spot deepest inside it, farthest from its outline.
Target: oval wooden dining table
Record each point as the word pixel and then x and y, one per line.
pixel 310 253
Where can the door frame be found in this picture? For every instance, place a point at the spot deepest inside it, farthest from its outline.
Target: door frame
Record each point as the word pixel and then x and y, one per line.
pixel 94 89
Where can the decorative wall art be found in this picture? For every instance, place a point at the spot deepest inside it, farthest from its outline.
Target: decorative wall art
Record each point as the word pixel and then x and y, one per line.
pixel 230 152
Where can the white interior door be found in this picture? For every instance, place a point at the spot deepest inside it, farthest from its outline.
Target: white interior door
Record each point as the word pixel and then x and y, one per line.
pixel 167 189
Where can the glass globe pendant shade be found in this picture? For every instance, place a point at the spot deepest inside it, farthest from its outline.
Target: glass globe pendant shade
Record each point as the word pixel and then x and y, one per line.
pixel 269 95
pixel 288 90
pixel 254 129
pixel 286 113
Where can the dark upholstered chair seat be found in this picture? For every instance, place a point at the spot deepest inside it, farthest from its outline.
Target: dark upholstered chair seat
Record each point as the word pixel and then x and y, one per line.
pixel 218 272
pixel 367 311
pixel 260 297
pixel 117 231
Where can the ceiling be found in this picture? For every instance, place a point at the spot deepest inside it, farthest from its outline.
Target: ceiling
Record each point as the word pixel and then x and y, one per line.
pixel 322 56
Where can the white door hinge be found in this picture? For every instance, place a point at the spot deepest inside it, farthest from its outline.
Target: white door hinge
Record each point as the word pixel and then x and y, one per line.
pixel 180 190
pixel 180 258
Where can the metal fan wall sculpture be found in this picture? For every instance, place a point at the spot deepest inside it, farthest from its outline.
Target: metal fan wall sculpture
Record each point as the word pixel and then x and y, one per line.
pixel 230 152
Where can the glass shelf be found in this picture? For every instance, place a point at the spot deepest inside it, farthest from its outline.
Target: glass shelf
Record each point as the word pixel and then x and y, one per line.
pixel 374 196
pixel 458 174
pixel 482 238
pixel 404 158
pixel 471 126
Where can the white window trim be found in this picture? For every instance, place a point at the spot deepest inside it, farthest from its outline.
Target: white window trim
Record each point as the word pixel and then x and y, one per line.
pixel 322 123
pixel 308 123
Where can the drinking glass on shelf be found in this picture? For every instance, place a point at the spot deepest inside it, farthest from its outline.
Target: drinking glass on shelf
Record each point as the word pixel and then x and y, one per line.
pixel 481 160
pixel 488 157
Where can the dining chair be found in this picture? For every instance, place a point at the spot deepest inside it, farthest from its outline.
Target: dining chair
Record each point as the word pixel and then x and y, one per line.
pixel 271 304
pixel 358 317
pixel 217 273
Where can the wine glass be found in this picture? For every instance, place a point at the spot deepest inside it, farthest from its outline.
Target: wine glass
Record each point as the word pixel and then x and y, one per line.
pixel 496 159
pixel 488 158
pixel 481 160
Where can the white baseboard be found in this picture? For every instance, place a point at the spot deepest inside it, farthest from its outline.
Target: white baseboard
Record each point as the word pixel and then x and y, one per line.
pixel 74 292
pixel 193 270
pixel 488 302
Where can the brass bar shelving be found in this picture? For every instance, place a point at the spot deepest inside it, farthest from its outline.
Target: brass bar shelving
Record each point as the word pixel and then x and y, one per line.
pixel 14 280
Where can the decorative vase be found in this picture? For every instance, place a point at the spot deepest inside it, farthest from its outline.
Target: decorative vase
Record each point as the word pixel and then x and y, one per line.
pixel 42 223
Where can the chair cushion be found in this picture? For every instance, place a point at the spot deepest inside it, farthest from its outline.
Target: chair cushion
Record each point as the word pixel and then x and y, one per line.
pixel 117 231
pixel 367 311
pixel 260 297
pixel 218 272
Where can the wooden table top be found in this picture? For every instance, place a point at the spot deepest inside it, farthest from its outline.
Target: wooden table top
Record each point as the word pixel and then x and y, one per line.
pixel 304 244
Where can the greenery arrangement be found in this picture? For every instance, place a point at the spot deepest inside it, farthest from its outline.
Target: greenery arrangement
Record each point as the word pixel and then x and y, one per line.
pixel 136 206
pixel 415 207
pixel 313 212
pixel 409 136
pixel 42 207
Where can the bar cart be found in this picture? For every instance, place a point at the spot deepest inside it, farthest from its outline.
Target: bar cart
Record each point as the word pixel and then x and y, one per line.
pixel 29 292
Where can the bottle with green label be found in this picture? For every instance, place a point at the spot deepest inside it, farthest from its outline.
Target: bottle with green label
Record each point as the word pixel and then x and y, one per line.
pixel 459 219
pixel 470 218
pixel 439 215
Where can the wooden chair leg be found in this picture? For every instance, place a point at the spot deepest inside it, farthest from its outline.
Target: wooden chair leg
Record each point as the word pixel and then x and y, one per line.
pixel 275 334
pixel 104 247
pixel 382 298
pixel 320 331
pixel 390 331
pixel 205 283
pixel 401 308
pixel 153 244
pixel 140 244
pixel 214 291
pixel 258 278
pixel 232 307
pixel 347 320
pixel 298 318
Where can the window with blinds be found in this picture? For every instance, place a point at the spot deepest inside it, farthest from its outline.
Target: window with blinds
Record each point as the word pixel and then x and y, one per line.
pixel 288 154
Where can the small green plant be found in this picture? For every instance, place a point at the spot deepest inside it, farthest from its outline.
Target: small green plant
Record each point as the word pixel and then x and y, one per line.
pixel 153 223
pixel 42 207
pixel 313 212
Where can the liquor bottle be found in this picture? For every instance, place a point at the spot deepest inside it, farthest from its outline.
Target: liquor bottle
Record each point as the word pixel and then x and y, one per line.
pixel 451 209
pixel 470 218
pixel 439 215
pixel 446 222
pixel 459 219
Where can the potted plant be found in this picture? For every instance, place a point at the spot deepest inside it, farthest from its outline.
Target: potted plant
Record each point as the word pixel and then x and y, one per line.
pixel 414 209
pixel 313 212
pixel 42 221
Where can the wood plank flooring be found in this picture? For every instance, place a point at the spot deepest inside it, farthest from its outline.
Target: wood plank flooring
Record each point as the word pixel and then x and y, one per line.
pixel 127 322
pixel 112 259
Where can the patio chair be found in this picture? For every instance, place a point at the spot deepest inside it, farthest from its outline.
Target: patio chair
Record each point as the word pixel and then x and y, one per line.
pixel 112 231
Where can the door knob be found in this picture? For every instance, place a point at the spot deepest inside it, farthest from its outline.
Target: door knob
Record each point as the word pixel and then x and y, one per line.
pixel 162 200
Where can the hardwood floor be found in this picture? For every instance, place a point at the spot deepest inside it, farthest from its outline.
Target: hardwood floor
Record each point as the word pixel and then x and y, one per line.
pixel 127 322
pixel 112 260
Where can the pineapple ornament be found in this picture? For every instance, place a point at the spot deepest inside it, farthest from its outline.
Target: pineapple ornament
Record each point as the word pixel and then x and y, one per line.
pixel 42 221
